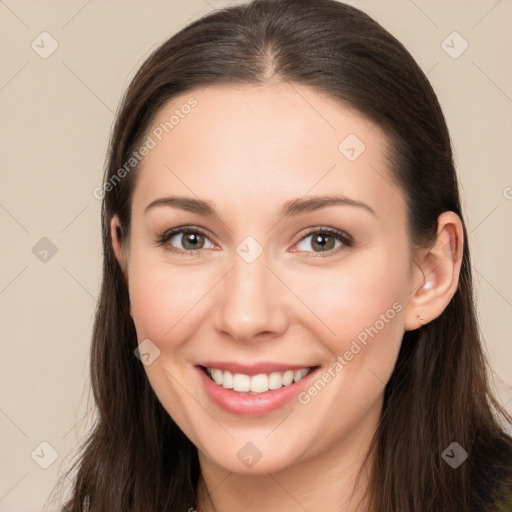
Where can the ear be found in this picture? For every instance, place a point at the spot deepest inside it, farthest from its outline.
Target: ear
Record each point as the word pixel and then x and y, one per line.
pixel 437 274
pixel 116 234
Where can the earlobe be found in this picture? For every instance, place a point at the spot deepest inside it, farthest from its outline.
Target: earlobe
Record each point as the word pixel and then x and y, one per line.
pixel 437 278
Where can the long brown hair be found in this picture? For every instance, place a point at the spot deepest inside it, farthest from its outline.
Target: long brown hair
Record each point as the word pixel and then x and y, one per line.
pixel 137 458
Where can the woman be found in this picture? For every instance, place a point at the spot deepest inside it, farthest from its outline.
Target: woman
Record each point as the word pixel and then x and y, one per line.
pixel 286 319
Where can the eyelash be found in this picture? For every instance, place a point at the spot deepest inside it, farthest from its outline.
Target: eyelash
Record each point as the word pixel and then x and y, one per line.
pixel 343 237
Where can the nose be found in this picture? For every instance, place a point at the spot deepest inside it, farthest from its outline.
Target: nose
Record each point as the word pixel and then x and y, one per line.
pixel 251 302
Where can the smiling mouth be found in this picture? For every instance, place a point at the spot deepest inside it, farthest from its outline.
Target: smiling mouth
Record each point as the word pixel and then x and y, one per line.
pixel 256 384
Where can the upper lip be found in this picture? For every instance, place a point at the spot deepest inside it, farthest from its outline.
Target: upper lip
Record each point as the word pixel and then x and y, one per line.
pixel 253 369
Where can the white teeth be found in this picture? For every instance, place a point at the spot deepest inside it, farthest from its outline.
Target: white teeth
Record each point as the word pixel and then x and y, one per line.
pixel 259 383
pixel 227 379
pixel 217 376
pixel 299 374
pixel 255 384
pixel 288 377
pixel 241 382
pixel 275 380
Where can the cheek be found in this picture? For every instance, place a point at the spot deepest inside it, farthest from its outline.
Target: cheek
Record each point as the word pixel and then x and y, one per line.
pixel 348 302
pixel 164 297
pixel 168 304
pixel 358 317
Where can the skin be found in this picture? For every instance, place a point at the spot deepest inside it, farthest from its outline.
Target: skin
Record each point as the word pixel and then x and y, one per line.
pixel 248 150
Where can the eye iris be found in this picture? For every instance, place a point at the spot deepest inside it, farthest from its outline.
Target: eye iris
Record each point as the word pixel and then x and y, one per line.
pixel 196 240
pixel 325 242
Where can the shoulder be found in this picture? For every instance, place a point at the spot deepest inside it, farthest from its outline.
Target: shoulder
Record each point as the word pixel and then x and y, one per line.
pixel 492 474
pixel 502 500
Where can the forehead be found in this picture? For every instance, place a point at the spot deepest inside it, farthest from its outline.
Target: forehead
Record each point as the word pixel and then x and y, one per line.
pixel 247 146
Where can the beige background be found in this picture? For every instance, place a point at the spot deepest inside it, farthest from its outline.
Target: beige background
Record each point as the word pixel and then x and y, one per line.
pixel 56 113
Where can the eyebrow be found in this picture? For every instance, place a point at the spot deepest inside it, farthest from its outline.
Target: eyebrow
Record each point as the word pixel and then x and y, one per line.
pixel 290 208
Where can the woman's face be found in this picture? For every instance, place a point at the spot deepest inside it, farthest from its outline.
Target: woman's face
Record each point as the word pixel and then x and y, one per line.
pixel 289 253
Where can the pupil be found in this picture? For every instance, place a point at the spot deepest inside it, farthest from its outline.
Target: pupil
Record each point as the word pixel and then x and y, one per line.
pixel 192 240
pixel 323 242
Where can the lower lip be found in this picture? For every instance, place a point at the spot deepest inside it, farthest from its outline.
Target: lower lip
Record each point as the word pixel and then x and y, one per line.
pixel 252 405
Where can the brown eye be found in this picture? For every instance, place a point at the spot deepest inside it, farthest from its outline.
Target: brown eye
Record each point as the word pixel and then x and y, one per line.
pixel 192 240
pixel 184 240
pixel 324 240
